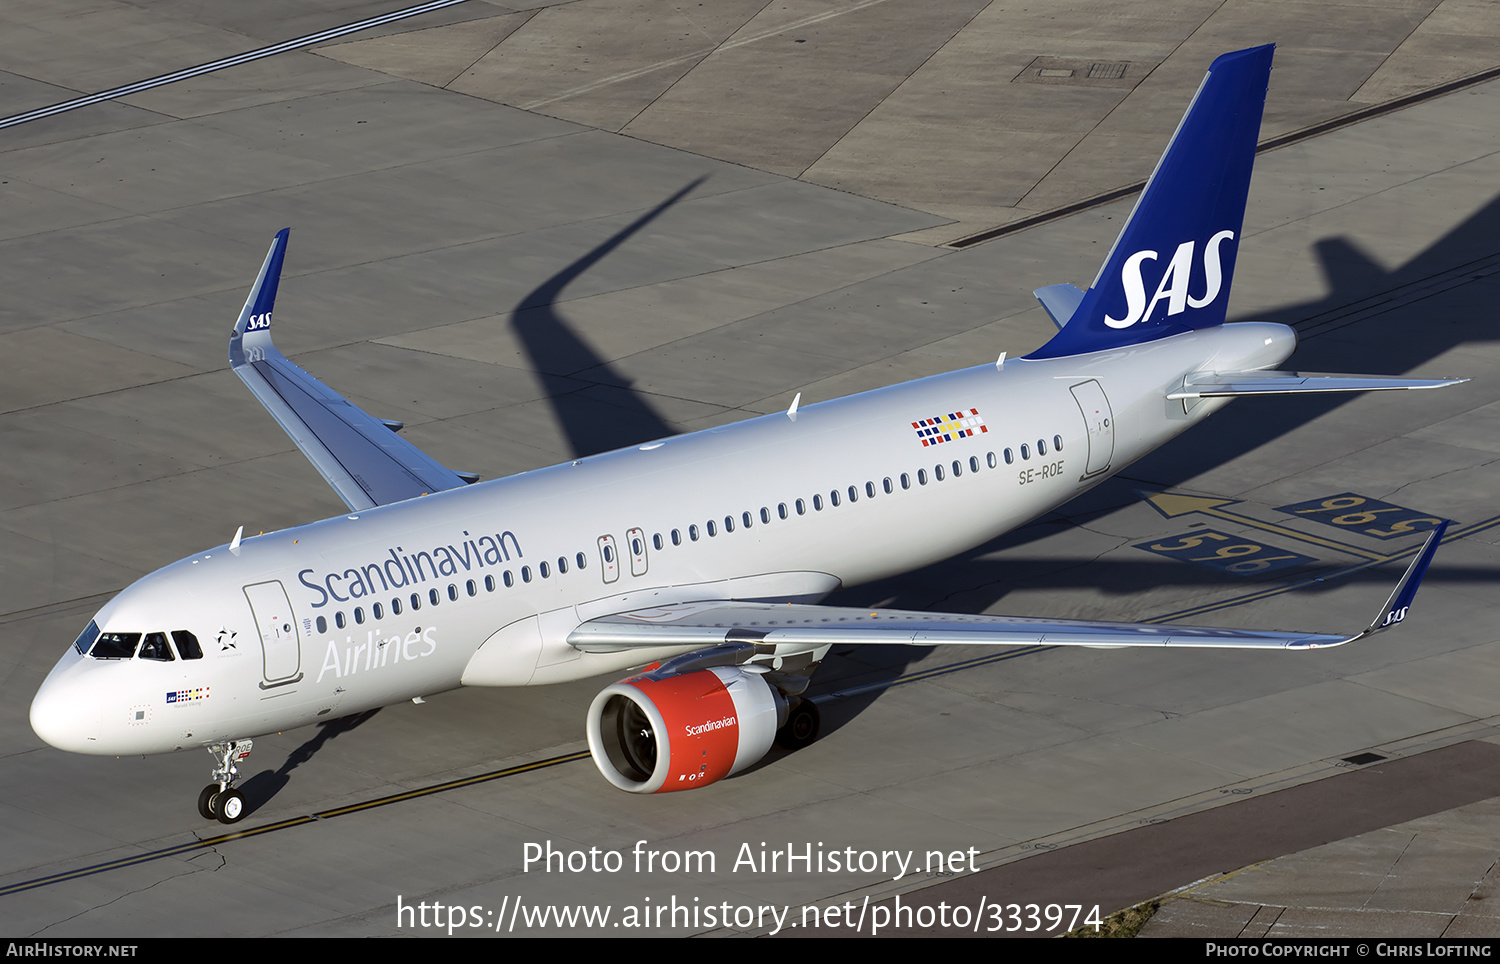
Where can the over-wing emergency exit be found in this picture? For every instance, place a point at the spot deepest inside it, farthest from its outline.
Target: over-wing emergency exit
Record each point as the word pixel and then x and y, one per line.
pixel 670 555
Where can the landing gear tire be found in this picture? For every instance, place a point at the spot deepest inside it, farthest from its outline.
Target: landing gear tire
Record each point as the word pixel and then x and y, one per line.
pixel 801 728
pixel 219 800
pixel 207 801
pixel 230 805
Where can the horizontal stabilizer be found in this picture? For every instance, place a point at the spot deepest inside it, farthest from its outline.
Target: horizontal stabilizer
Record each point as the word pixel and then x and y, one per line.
pixel 361 456
pixel 1060 301
pixel 1232 384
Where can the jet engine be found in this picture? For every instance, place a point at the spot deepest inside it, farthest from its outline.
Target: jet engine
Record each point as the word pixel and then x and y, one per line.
pixel 667 730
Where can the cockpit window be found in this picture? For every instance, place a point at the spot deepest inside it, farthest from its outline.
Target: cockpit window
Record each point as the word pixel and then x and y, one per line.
pixel 86 638
pixel 187 644
pixel 155 647
pixel 115 646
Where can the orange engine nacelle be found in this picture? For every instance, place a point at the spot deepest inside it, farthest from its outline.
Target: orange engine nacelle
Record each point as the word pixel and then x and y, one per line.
pixel 655 733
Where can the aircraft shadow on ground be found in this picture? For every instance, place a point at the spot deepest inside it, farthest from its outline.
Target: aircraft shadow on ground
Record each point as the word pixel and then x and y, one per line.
pixel 261 788
pixel 590 424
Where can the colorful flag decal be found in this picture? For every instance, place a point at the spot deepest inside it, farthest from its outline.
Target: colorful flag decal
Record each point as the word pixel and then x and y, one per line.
pixel 948 428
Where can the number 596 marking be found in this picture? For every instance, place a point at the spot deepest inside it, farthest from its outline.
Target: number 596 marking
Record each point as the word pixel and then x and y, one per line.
pixel 1232 554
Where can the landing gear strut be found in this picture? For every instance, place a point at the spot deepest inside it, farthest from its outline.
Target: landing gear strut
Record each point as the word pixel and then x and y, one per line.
pixel 219 800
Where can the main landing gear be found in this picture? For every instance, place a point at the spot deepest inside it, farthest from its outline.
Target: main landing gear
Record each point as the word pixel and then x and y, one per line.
pixel 801 727
pixel 219 800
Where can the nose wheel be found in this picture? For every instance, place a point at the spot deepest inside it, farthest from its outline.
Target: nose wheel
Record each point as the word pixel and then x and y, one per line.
pixel 219 800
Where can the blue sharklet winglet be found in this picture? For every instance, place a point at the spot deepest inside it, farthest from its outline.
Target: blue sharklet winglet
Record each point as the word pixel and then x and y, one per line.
pixel 1397 607
pixel 366 462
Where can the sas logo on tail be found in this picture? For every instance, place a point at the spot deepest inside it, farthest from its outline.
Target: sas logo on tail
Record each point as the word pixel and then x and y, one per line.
pixel 1174 283
pixel 263 320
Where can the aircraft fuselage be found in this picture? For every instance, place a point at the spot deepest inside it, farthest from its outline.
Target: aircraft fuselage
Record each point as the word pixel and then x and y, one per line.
pixel 482 585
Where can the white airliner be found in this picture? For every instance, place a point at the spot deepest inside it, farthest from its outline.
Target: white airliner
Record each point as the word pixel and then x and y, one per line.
pixel 707 552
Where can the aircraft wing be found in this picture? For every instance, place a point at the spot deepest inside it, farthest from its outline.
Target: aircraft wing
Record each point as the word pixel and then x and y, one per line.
pixel 1234 384
pixel 720 623
pixel 361 456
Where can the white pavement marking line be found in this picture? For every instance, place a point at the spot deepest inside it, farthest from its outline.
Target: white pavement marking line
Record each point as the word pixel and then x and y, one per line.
pixel 333 33
pixel 698 54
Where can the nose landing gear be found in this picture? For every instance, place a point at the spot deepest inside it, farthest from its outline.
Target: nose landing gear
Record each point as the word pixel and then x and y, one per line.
pixel 219 800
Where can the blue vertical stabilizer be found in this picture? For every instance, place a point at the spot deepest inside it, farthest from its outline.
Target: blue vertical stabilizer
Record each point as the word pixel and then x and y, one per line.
pixel 1170 269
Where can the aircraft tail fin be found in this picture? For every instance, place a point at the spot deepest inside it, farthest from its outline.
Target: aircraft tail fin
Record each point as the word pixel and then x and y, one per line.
pixel 1170 269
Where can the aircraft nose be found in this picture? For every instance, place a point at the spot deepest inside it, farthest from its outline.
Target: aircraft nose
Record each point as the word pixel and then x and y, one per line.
pixel 65 719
